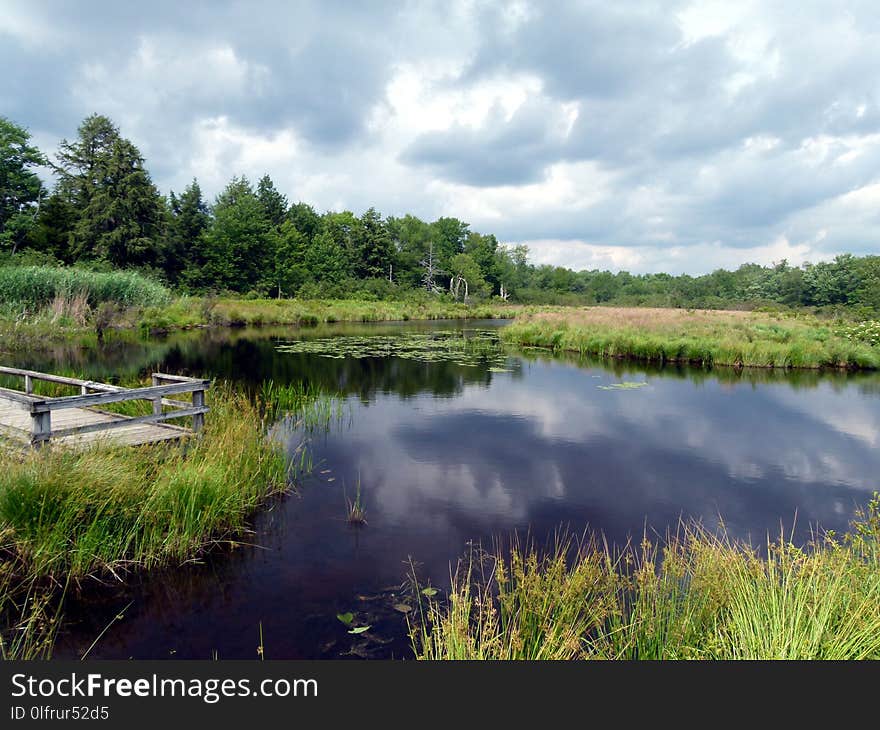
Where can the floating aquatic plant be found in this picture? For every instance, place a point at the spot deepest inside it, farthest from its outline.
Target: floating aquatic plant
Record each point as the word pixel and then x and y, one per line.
pixel 475 349
pixel 628 385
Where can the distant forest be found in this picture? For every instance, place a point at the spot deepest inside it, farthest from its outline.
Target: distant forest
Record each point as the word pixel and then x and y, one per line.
pixel 105 212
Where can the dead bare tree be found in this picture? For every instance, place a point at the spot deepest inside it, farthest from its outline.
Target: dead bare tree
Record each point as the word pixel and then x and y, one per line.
pixel 432 271
pixel 455 287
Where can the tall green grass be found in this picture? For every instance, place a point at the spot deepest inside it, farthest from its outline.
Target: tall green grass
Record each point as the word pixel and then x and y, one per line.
pixel 310 408
pixel 193 311
pixel 105 510
pixel 69 515
pixel 696 596
pixel 705 339
pixel 38 286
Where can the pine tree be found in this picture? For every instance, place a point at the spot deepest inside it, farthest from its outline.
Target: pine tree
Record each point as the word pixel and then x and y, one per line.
pixel 183 254
pixel 289 270
pixel 53 231
pixel 274 203
pixel 375 252
pixel 237 244
pixel 120 212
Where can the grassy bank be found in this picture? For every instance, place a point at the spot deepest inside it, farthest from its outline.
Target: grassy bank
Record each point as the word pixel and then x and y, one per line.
pixel 74 320
pixel 698 596
pixel 194 312
pixel 740 339
pixel 67 517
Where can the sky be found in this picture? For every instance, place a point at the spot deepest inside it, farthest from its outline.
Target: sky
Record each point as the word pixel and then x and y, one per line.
pixel 639 135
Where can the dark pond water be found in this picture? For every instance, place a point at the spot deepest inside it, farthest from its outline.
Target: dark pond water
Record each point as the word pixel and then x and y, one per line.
pixel 449 453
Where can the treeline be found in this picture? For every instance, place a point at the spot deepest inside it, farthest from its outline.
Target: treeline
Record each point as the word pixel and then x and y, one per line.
pixel 105 211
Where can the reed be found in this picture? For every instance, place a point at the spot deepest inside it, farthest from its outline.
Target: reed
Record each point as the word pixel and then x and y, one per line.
pixel 700 337
pixel 695 596
pixel 310 408
pixel 356 514
pixel 64 289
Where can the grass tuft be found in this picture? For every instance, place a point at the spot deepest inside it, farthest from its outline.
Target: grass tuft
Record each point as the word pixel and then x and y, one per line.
pixel 696 596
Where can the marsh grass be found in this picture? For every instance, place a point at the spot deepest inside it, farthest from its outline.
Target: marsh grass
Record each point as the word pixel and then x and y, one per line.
pixel 29 609
pixel 701 337
pixel 694 595
pixel 69 517
pixel 193 311
pixel 310 408
pixel 356 514
pixel 65 289
pixel 33 325
pixel 101 512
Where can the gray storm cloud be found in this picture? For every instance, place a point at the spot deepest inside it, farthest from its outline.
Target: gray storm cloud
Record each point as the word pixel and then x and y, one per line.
pixel 643 135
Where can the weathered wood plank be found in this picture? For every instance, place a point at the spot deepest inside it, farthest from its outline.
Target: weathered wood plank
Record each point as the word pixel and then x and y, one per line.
pixel 176 403
pixel 41 428
pixel 127 421
pixel 177 378
pixel 16 396
pixel 60 379
pixel 128 394
pixel 32 421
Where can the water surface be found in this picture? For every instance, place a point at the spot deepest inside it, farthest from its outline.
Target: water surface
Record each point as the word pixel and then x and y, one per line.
pixel 447 454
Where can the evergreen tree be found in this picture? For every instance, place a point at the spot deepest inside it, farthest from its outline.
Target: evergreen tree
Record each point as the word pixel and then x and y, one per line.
pixel 119 209
pixel 184 255
pixel 375 251
pixel 237 244
pixel 20 187
pixel 274 203
pixel 53 230
pixel 289 269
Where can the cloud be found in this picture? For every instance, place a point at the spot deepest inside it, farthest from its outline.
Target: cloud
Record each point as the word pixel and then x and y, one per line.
pixel 671 135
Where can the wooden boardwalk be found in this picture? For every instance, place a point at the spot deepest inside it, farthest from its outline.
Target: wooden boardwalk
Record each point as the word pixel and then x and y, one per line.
pixel 77 421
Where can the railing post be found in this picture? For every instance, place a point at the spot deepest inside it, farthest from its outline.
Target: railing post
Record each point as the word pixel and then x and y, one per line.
pixel 157 402
pixel 28 384
pixel 41 427
pixel 198 402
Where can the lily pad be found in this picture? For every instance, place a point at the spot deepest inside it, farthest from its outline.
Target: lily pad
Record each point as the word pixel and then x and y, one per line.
pixel 429 592
pixel 359 630
pixel 346 618
pixel 402 607
pixel 630 385
pixel 473 349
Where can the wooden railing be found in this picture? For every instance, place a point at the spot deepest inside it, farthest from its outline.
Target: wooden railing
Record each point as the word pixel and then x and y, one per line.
pixel 97 394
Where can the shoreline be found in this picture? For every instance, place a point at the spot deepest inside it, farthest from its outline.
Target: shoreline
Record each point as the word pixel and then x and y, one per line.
pixel 698 338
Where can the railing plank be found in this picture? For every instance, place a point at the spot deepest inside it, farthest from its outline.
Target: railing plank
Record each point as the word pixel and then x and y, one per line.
pixel 60 379
pixel 16 396
pixel 96 394
pixel 128 421
pixel 176 378
pixel 96 399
